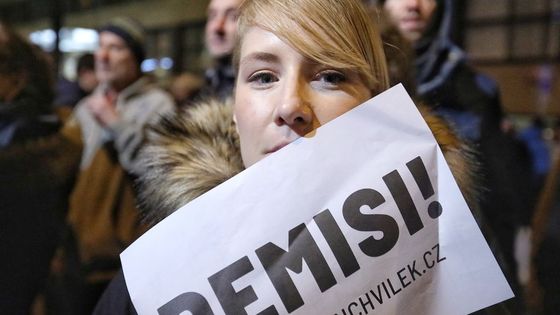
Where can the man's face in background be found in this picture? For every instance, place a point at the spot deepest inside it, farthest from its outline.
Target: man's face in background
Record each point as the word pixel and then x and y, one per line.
pixel 412 17
pixel 115 64
pixel 221 27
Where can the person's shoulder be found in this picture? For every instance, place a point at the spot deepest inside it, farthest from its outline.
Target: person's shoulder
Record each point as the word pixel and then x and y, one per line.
pixel 158 92
pixel 52 160
pixel 459 155
pixel 179 150
pixel 148 89
pixel 468 75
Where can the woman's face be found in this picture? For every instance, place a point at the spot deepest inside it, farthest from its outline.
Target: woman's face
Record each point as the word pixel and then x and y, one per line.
pixel 280 95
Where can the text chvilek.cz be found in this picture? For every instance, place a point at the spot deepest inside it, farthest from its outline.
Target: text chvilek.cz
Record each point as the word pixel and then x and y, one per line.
pixel 302 247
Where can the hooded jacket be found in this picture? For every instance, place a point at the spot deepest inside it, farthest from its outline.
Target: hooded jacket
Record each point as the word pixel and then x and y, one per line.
pixel 447 82
pixel 437 56
pixel 470 101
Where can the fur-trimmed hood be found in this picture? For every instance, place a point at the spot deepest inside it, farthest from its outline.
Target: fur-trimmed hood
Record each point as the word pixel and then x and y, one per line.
pixel 195 149
pixel 188 153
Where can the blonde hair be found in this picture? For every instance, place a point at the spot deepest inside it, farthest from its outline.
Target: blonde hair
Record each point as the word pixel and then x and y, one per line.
pixel 338 33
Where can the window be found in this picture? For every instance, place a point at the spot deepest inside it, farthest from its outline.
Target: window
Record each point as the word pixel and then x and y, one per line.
pixel 512 31
pixel 175 49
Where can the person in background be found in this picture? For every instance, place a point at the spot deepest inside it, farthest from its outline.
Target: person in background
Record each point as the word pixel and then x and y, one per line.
pixel 444 79
pixel 37 168
pixel 219 34
pixel 69 93
pixel 85 69
pixel 111 124
pixel 470 101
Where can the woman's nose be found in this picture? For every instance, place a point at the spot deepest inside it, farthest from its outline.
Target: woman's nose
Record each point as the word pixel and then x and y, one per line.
pixel 294 109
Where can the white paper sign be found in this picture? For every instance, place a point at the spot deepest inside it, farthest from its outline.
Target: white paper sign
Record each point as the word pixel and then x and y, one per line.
pixel 362 217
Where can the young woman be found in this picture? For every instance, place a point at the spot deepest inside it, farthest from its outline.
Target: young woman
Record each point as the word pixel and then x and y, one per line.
pixel 300 64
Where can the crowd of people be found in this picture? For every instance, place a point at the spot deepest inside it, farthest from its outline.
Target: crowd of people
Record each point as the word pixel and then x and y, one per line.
pixel 81 185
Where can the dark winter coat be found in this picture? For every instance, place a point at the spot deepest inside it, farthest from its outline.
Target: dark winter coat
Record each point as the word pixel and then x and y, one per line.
pixel 37 168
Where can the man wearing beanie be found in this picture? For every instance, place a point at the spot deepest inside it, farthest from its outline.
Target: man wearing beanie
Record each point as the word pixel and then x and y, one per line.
pixel 110 124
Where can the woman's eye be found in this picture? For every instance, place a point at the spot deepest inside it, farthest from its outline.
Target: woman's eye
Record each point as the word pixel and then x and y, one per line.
pixel 263 78
pixel 331 77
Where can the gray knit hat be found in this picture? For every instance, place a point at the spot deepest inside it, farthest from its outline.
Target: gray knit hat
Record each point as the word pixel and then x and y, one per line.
pixel 131 31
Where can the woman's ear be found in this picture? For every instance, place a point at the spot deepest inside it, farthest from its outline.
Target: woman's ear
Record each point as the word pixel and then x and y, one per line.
pixel 235 122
